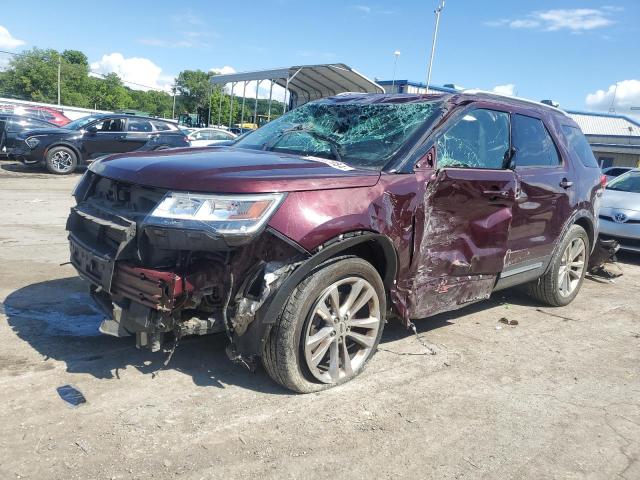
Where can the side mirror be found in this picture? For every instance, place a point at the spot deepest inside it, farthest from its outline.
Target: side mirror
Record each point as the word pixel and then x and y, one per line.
pixel 427 160
pixel 92 129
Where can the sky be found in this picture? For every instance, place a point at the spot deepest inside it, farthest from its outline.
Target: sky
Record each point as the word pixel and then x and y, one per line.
pixel 583 54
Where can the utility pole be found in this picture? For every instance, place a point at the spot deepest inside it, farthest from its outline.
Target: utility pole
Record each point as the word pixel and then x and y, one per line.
pixel 437 11
pixel 210 95
pixel 173 110
pixel 395 63
pixel 59 68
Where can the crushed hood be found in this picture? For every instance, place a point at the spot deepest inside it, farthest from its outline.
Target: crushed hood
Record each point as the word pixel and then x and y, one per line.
pixel 231 170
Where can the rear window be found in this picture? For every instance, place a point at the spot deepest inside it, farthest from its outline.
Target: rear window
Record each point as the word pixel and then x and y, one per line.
pixel 534 145
pixel 139 125
pixel 161 126
pixel 579 144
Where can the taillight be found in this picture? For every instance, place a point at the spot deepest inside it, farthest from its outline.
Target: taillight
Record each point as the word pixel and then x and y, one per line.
pixel 603 181
pixel 190 139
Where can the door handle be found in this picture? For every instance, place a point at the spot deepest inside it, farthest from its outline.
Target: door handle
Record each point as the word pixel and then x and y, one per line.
pixel 497 194
pixel 564 183
pixel 121 137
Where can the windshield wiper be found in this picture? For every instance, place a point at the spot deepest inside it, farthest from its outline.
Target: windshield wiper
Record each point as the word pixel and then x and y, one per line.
pixel 335 147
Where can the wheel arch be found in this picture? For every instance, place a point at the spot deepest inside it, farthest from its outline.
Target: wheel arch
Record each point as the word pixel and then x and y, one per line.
pixel 584 219
pixel 375 248
pixel 586 222
pixel 70 146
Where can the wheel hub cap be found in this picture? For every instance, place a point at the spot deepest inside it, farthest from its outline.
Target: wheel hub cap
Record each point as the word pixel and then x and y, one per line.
pixel 342 330
pixel 571 267
pixel 61 161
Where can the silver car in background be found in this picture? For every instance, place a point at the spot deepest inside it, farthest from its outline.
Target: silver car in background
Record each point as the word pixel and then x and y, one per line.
pixel 620 211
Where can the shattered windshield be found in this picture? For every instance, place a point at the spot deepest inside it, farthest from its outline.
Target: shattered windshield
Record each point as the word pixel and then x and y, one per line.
pixel 358 134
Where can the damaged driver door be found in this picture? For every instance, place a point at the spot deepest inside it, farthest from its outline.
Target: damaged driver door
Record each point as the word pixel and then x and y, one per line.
pixel 462 224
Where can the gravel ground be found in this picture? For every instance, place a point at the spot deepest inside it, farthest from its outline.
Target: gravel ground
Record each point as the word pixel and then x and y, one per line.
pixel 556 396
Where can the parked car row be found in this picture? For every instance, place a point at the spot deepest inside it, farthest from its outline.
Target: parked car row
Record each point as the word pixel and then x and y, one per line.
pixel 202 137
pixel 62 149
pixel 47 114
pixel 620 210
pixel 12 125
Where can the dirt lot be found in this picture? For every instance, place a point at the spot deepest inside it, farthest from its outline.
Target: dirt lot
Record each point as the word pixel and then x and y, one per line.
pixel 557 396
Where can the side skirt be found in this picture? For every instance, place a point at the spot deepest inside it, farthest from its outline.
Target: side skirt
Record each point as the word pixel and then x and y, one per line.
pixel 522 273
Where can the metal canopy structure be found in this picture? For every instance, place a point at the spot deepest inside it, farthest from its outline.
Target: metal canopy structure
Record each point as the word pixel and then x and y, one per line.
pixel 302 83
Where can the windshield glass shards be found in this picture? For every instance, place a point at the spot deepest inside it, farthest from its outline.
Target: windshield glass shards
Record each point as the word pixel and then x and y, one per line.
pixel 357 134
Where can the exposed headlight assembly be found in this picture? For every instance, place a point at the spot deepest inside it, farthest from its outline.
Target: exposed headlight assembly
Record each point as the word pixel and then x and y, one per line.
pixel 222 214
pixel 32 142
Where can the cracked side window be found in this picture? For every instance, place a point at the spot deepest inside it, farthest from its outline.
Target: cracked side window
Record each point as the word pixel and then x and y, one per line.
pixel 480 139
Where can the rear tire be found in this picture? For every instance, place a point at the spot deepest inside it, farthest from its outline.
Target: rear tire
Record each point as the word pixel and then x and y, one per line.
pixel 560 285
pixel 318 342
pixel 61 160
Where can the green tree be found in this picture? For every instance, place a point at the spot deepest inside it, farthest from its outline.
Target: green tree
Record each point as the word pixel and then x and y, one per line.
pixel 193 87
pixel 32 76
pixel 109 93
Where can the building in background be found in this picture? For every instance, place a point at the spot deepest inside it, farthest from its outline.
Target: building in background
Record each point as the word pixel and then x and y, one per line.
pixel 407 86
pixel 615 139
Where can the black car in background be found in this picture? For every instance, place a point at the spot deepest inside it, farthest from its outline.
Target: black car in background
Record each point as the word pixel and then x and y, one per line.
pixel 12 125
pixel 61 150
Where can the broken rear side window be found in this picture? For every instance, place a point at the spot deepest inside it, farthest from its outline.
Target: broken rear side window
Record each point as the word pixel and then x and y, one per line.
pixel 362 135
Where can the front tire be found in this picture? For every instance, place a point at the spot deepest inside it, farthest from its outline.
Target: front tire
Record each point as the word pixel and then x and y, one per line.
pixel 560 285
pixel 329 328
pixel 61 160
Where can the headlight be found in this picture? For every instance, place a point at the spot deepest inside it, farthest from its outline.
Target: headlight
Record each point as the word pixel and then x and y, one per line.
pixel 223 214
pixel 32 142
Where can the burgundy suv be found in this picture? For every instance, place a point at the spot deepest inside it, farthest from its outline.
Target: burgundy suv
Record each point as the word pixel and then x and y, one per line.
pixel 300 239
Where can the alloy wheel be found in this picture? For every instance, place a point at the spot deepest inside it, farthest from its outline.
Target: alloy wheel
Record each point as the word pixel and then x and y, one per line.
pixel 62 161
pixel 571 267
pixel 342 330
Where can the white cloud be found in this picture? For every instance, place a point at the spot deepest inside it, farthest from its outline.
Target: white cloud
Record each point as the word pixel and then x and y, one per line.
pixel 223 70
pixel 621 98
pixel 508 89
pixel 363 8
pixel 575 20
pixel 8 41
pixel 137 70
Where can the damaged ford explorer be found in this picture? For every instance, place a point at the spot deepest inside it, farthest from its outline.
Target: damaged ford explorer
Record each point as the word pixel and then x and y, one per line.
pixel 303 237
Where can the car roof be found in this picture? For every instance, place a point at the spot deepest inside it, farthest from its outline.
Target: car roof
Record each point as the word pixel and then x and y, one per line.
pixel 463 96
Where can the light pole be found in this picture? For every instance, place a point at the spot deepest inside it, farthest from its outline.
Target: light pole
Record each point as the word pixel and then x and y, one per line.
pixel 173 110
pixel 395 63
pixel 437 11
pixel 59 68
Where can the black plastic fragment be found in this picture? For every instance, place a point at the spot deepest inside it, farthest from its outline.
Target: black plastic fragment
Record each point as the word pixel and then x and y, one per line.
pixel 71 395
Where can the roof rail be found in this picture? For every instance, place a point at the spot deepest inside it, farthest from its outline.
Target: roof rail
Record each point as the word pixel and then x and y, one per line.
pixel 473 91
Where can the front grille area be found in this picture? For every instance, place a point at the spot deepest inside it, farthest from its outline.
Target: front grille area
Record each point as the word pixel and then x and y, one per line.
pixel 610 219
